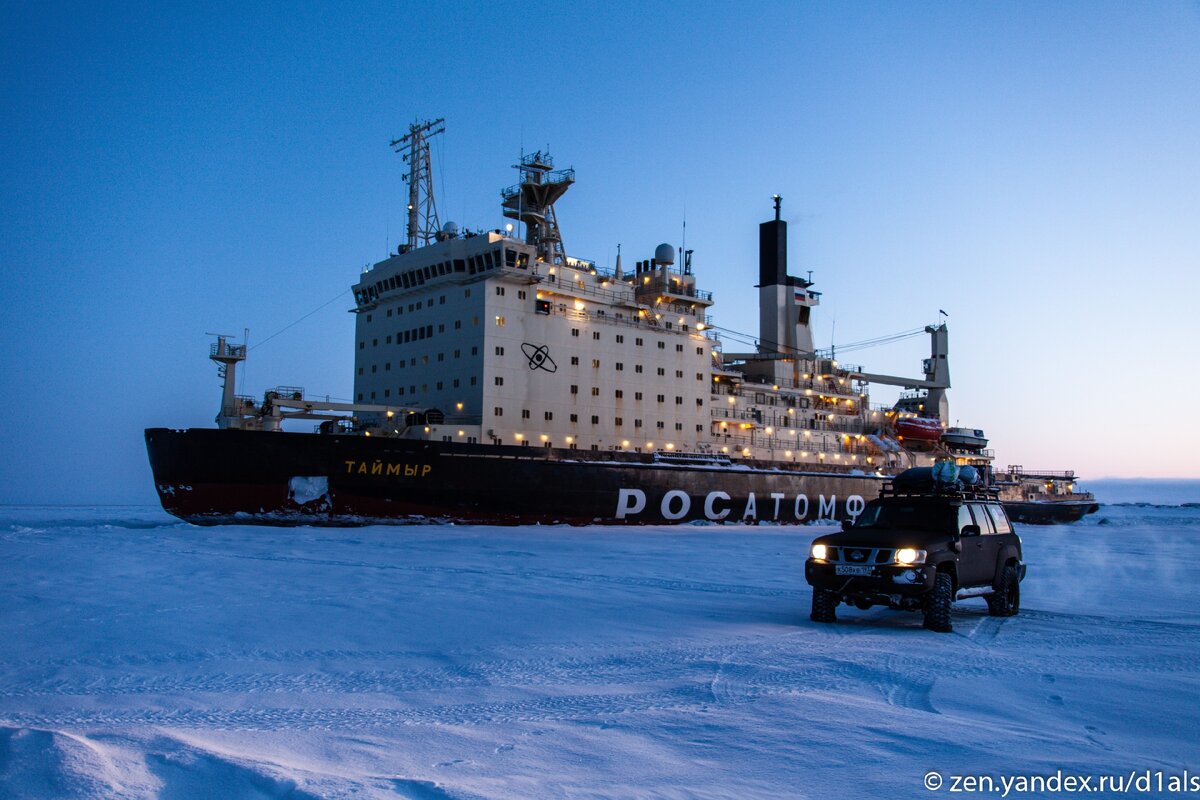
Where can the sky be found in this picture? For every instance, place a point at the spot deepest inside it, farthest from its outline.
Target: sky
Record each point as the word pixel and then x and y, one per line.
pixel 1032 169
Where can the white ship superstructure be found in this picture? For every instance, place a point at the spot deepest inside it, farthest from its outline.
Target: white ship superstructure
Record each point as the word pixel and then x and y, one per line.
pixel 504 339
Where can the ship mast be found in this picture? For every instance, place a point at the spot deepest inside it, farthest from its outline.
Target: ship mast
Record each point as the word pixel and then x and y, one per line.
pixel 423 222
pixel 532 202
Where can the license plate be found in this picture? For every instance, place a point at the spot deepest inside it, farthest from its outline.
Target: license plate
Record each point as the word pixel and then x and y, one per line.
pixel 850 569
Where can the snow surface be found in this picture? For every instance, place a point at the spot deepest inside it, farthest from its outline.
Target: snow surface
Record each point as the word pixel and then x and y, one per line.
pixel 143 657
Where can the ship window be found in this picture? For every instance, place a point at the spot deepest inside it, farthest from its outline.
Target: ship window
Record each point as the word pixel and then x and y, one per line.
pixel 596 335
pixel 438 386
pixel 662 345
pixel 670 326
pixel 595 391
pixel 500 321
pixel 637 395
pixel 441 357
pixel 574 418
pixel 521 294
pixel 662 398
pixel 499 291
pixel 374 343
pixel 499 351
pixel 699 351
pixel 549 415
pixel 421 333
pixel 510 258
pixel 442 268
pixel 574 361
pixel 487 259
pixel 360 397
pixel 678 400
pixel 595 363
pixel 619 422
pixel 412 389
pixel 525 413
pixel 678 347
pixel 457 324
pixel 574 388
pixel 637 423
pixel 660 425
pixel 595 421
pixel 387 366
pixel 638 341
pixel 372 395
pixel 575 331
pixel 361 345
pixel 424 359
pixel 368 317
pixel 457 382
pixel 498 411
pixel 460 266
pixel 474 321
pixel 360 370
pixel 700 376
pixel 399 392
pixel 620 367
pixel 472 380
pixel 499 381
pixel 442 300
pixel 637 368
pixel 457 353
pixel 620 339
pixel 475 351
pixel 699 402
pixel 759 397
pixel 679 427
pixel 389 340
pixel 678 373
pixel 441 328
pixel 619 393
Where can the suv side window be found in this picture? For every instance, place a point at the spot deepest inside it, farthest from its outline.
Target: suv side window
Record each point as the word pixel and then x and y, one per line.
pixel 982 518
pixel 964 518
pixel 1001 520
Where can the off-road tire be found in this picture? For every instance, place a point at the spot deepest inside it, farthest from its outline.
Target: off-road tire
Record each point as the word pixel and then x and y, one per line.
pixel 1006 602
pixel 824 606
pixel 938 602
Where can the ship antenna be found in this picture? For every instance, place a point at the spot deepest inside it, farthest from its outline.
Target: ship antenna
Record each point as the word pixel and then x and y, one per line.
pixel 423 223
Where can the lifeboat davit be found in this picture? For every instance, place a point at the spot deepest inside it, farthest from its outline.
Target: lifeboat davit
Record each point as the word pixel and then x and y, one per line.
pixel 920 428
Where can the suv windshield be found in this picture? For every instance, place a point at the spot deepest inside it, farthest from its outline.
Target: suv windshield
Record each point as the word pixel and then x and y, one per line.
pixel 935 517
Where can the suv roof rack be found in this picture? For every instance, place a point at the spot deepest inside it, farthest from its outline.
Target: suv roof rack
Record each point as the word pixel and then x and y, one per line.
pixel 982 493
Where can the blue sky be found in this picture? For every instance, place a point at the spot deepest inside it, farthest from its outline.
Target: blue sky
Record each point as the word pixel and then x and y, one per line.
pixel 1031 168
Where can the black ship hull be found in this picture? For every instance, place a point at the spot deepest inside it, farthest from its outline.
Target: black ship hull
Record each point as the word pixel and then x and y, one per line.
pixel 212 476
pixel 1049 512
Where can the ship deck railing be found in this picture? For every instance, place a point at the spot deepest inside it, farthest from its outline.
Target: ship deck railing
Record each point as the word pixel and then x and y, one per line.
pixel 1044 474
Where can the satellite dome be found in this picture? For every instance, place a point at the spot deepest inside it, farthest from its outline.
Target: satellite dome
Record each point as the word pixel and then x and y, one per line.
pixel 450 228
pixel 664 254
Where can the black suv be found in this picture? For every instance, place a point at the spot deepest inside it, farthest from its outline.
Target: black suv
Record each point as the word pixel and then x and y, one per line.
pixel 920 547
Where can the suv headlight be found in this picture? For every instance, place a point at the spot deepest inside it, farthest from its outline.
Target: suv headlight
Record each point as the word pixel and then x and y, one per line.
pixel 906 556
pixel 819 551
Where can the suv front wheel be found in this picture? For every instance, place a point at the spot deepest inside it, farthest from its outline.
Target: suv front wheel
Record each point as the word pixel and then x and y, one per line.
pixel 937 604
pixel 824 606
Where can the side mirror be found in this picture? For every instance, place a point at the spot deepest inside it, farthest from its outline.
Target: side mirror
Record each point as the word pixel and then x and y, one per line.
pixel 970 530
pixel 847 524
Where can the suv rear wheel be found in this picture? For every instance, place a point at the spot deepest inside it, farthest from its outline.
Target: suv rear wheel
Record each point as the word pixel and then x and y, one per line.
pixel 824 606
pixel 937 604
pixel 1006 602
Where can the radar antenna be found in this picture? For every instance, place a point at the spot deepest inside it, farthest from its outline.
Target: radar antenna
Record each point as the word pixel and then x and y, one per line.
pixel 532 202
pixel 423 224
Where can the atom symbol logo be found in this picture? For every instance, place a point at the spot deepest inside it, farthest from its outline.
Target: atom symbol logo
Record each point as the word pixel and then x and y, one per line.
pixel 539 357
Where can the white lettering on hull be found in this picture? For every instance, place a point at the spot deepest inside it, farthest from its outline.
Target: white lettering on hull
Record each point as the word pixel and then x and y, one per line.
pixel 685 505
pixel 676 504
pixel 630 501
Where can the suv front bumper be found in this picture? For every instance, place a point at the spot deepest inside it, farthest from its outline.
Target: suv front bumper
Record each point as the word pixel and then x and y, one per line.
pixel 884 579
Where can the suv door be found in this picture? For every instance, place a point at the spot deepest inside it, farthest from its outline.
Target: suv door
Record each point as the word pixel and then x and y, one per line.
pixel 990 541
pixel 974 566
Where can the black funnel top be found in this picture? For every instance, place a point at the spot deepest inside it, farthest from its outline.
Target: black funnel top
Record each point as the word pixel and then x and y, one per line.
pixel 772 250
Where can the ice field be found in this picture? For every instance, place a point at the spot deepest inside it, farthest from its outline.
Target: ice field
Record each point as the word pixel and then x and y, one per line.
pixel 143 657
